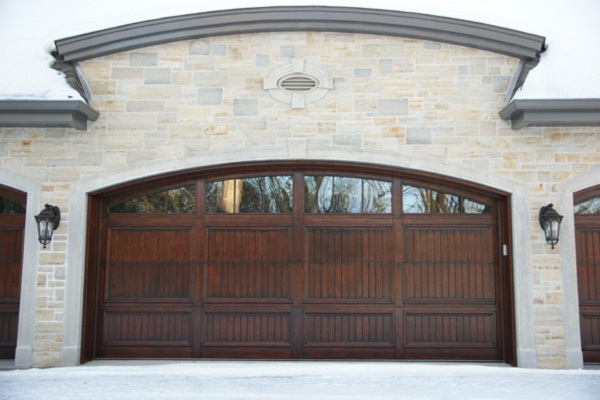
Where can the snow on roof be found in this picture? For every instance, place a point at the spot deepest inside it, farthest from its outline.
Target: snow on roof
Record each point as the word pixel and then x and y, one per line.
pixel 28 28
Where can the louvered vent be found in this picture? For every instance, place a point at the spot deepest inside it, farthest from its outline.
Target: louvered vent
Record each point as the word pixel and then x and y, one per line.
pixel 297 83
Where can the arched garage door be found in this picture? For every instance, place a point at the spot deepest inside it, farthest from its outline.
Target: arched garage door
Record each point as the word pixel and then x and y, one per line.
pixel 299 261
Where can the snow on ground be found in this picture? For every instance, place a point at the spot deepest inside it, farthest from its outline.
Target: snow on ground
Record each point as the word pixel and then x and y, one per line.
pixel 28 28
pixel 306 380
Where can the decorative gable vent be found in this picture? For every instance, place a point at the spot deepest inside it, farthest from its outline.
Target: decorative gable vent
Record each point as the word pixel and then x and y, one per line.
pixel 298 84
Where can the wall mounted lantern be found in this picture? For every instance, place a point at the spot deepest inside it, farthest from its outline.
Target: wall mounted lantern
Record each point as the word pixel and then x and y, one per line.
pixel 47 221
pixel 550 222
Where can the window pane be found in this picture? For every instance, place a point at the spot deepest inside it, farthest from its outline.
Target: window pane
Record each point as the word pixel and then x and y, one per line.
pixel 155 203
pixel 347 195
pixel 180 200
pixel 589 207
pixel 338 194
pixel 128 207
pixel 278 194
pixel 214 192
pixel 426 201
pixel 377 197
pixel 472 207
pixel 262 194
pixel 252 195
pixel 11 207
pixel 318 194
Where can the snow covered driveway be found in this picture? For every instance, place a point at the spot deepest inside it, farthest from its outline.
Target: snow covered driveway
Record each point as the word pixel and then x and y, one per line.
pixel 219 380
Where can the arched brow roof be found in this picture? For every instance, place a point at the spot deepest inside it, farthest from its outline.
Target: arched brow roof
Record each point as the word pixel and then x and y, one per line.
pixel 306 18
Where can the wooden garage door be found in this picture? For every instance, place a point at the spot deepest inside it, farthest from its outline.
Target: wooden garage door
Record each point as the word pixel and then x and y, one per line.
pixel 12 225
pixel 587 223
pixel 301 264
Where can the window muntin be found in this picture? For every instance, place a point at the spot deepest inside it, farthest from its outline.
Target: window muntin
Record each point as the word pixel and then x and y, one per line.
pixel 262 194
pixel 180 200
pixel 418 200
pixel 8 206
pixel 346 195
pixel 588 207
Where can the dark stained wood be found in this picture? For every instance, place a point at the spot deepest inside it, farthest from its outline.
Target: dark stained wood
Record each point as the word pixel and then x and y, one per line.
pixel 11 264
pixel 588 278
pixel 301 285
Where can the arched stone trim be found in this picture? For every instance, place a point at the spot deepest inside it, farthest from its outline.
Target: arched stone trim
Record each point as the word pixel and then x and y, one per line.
pixel 24 352
pixel 297 149
pixel 568 261
pixel 302 18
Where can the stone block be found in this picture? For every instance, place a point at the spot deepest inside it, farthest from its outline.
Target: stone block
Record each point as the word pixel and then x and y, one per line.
pixel 143 59
pixel 395 107
pixel 262 61
pixel 418 136
pixel 245 107
pixel 382 51
pixel 145 106
pixel 157 76
pixel 348 140
pixel 210 96
pixel 287 51
pixel 218 50
pixel 200 47
pixel 127 73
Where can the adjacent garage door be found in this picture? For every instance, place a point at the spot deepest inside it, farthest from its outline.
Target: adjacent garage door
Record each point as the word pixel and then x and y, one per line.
pixel 12 225
pixel 299 262
pixel 587 223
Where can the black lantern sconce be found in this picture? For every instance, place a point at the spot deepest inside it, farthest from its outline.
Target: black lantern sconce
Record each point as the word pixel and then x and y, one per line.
pixel 47 221
pixel 550 222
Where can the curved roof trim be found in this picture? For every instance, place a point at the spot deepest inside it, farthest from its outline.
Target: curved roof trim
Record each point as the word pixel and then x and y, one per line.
pixel 304 18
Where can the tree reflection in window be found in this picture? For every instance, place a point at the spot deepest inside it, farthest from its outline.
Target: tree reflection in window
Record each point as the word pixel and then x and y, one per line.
pixel 417 200
pixel 261 194
pixel 337 194
pixel 588 207
pixel 8 206
pixel 172 201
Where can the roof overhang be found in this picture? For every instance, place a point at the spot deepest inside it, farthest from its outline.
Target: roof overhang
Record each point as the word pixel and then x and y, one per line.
pixel 46 113
pixel 560 112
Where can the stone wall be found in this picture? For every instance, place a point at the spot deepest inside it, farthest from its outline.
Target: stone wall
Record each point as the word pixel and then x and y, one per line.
pixel 404 98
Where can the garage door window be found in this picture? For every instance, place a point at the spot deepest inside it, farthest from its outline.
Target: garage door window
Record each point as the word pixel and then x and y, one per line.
pixel 262 194
pixel 180 200
pixel 8 206
pixel 589 207
pixel 418 200
pixel 338 194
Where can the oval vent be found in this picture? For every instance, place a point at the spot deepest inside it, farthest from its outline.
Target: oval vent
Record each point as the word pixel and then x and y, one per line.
pixel 298 83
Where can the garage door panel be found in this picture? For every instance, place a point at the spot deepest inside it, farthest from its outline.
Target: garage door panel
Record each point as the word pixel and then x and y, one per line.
pixel 348 263
pixel 350 329
pixel 147 328
pixel 444 264
pixel 11 256
pixel 588 266
pixel 9 320
pixel 251 328
pixel 452 329
pixel 11 245
pixel 248 263
pixel 149 265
